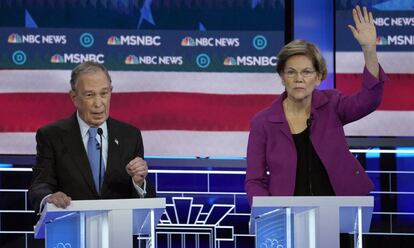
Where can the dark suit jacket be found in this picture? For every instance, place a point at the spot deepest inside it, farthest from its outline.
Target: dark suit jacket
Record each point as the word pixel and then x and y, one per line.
pixel 62 162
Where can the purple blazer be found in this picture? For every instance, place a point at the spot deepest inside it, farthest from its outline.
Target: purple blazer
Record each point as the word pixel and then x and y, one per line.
pixel 271 147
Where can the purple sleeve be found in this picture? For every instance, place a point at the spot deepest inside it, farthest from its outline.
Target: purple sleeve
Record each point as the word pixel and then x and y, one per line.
pixel 256 183
pixel 365 101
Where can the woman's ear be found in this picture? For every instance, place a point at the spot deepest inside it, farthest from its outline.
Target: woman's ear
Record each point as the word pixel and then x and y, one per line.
pixel 318 79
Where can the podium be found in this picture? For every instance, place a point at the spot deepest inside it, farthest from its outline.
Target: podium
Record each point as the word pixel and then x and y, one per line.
pixel 309 221
pixel 100 223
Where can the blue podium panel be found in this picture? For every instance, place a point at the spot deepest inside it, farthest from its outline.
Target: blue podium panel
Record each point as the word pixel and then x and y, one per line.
pixel 305 222
pixel 100 223
pixel 273 229
pixel 64 232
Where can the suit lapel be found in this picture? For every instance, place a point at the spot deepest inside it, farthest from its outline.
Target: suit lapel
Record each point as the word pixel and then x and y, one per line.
pixel 277 116
pixel 78 153
pixel 114 152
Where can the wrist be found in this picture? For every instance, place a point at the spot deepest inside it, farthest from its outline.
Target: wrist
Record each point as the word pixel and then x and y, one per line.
pixel 138 182
pixel 369 47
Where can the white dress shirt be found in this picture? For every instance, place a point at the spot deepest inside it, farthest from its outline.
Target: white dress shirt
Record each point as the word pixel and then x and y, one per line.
pixel 84 129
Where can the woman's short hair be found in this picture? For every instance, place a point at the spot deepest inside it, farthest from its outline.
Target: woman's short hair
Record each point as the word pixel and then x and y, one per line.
pixel 302 47
pixel 87 67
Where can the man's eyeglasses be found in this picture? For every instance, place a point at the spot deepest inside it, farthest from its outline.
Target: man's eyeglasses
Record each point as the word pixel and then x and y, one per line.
pixel 293 73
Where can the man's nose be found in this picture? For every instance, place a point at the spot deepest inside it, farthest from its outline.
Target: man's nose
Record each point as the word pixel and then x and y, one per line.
pixel 97 101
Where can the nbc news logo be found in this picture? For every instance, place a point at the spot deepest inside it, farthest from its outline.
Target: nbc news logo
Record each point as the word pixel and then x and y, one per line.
pixel 14 39
pixel 131 60
pixel 210 42
pixel 187 42
pixel 153 60
pixel 37 39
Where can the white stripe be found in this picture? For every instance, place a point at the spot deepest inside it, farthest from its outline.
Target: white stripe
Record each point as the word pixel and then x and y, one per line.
pixel 132 81
pixel 16 169
pixel 16 211
pixel 383 123
pixel 17 143
pixel 156 143
pixel 391 62
pixel 231 144
pixel 388 234
pixel 193 143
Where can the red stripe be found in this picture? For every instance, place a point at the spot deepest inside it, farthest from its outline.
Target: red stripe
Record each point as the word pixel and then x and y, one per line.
pixel 26 112
pixel 398 91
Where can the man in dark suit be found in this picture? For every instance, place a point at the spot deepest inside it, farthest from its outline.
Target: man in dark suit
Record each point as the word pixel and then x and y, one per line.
pixel 74 162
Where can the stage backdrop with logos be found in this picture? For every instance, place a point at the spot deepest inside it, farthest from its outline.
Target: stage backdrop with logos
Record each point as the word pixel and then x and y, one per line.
pixel 395 30
pixel 189 73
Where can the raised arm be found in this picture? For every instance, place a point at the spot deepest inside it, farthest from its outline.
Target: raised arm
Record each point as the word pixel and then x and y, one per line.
pixel 366 35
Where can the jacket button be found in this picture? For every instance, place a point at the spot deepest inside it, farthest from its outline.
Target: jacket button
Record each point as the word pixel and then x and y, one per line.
pixel 357 172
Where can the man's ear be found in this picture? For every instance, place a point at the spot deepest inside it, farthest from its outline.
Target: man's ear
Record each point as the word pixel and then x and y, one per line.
pixel 72 95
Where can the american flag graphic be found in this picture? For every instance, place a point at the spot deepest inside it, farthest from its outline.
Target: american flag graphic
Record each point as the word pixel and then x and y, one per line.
pixel 180 113
pixel 394 21
pixel 395 115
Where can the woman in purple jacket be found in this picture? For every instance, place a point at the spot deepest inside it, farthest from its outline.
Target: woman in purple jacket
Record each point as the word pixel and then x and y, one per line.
pixel 297 146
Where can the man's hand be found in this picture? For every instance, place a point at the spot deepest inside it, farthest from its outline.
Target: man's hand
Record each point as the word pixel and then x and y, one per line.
pixel 138 170
pixel 59 199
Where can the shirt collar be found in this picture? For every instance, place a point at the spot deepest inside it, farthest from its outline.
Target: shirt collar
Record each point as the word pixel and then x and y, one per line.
pixel 84 127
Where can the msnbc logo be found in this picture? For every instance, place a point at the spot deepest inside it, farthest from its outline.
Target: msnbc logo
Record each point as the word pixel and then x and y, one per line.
pixel 230 61
pixel 131 60
pixel 15 38
pixel 57 59
pixel 382 41
pixel 187 42
pixel 134 40
pixel 114 41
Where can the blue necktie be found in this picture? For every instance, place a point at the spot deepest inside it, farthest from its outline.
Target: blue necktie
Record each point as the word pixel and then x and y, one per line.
pixel 93 156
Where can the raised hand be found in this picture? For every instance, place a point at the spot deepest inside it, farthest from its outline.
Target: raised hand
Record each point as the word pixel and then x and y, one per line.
pixel 366 35
pixel 364 30
pixel 138 170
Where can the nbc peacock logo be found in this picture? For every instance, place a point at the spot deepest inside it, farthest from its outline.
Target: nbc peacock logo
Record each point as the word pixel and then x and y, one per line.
pixel 230 61
pixel 113 41
pixel 131 60
pixel 381 40
pixel 187 42
pixel 14 39
pixel 57 59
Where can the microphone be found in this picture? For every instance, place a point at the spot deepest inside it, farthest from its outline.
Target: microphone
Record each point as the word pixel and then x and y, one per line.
pixel 100 132
pixel 309 121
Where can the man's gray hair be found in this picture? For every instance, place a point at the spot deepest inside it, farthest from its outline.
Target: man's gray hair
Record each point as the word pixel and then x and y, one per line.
pixel 85 68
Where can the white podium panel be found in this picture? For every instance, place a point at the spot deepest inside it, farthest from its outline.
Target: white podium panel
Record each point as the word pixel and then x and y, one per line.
pixel 309 221
pixel 100 223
